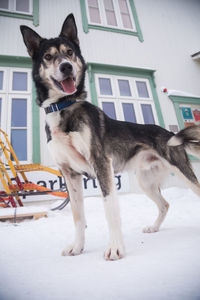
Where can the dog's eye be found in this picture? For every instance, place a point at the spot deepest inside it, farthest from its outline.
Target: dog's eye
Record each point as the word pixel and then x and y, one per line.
pixel 48 56
pixel 69 52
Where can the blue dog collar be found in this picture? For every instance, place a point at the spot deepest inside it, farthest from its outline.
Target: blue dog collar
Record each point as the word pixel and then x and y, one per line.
pixel 58 106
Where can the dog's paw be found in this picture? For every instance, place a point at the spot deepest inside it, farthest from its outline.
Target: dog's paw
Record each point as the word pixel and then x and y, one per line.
pixel 114 252
pixel 72 250
pixel 150 229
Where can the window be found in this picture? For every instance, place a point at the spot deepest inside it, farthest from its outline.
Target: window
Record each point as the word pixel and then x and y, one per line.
pixel 19 82
pixel 23 6
pixel 19 127
pixel 105 86
pixel 126 98
pixel 1 80
pixel 4 4
pixel 109 109
pixel 147 114
pixel 0 111
pixel 142 89
pixel 15 109
pixel 23 9
pixel 111 15
pixel 94 11
pixel 17 6
pixel 129 112
pixel 125 15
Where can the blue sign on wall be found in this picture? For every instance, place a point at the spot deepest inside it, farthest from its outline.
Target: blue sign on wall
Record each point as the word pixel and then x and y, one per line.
pixel 187 113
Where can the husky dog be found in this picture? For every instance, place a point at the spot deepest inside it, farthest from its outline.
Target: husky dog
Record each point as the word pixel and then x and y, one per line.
pixel 83 140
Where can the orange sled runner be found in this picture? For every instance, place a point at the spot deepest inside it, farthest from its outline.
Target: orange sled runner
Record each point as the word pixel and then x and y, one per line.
pixel 18 186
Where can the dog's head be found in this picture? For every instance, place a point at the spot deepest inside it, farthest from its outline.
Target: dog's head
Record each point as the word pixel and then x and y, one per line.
pixel 58 66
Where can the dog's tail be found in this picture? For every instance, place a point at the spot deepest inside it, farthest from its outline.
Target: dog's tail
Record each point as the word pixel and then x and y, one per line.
pixel 189 137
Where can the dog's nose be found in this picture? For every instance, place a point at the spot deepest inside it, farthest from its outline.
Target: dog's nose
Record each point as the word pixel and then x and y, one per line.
pixel 66 68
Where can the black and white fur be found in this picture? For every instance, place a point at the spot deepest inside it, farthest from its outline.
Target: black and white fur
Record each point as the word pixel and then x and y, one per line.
pixel 83 140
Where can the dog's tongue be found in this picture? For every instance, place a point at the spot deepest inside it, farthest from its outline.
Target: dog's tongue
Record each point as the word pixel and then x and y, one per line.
pixel 68 85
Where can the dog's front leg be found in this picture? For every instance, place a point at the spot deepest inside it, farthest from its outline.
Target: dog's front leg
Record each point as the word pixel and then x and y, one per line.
pixel 105 175
pixel 74 185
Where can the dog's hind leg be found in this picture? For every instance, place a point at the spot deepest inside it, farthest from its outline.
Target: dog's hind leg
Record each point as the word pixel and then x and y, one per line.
pixel 148 184
pixel 74 185
pixel 191 180
pixel 105 176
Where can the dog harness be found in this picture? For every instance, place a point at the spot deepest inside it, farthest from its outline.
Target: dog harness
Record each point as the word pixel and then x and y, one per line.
pixel 58 106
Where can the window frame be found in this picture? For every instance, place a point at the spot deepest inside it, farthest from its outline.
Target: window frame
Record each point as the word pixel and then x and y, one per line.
pixel 117 99
pixel 10 94
pixel 17 63
pixel 32 16
pixel 105 22
pixel 118 115
pixel 94 68
pixel 3 107
pixel 12 7
pixel 3 90
pixel 182 100
pixel 133 95
pixel 118 17
pixel 148 89
pixel 28 81
pixel 28 126
pixel 136 109
pixel 87 25
pixel 106 76
pixel 153 111
pixel 88 13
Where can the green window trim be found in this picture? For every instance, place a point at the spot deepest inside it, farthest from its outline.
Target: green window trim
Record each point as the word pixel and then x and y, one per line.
pixel 25 62
pixel 87 26
pixel 34 17
pixel 177 100
pixel 94 68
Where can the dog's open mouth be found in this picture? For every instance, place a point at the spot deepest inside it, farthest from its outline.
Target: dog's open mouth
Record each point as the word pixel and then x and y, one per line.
pixel 67 85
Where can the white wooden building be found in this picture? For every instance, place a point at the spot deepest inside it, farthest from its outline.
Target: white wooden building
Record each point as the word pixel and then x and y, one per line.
pixel 143 66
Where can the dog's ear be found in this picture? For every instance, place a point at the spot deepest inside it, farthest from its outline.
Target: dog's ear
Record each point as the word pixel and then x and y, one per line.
pixel 69 29
pixel 31 39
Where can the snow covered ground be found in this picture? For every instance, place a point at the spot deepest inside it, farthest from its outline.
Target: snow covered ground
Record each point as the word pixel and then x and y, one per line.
pixel 158 266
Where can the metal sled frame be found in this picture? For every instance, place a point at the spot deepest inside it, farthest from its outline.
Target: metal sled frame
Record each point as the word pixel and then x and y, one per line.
pixel 19 186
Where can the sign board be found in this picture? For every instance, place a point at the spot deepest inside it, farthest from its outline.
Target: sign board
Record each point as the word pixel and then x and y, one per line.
pixel 90 186
pixel 196 114
pixel 187 113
